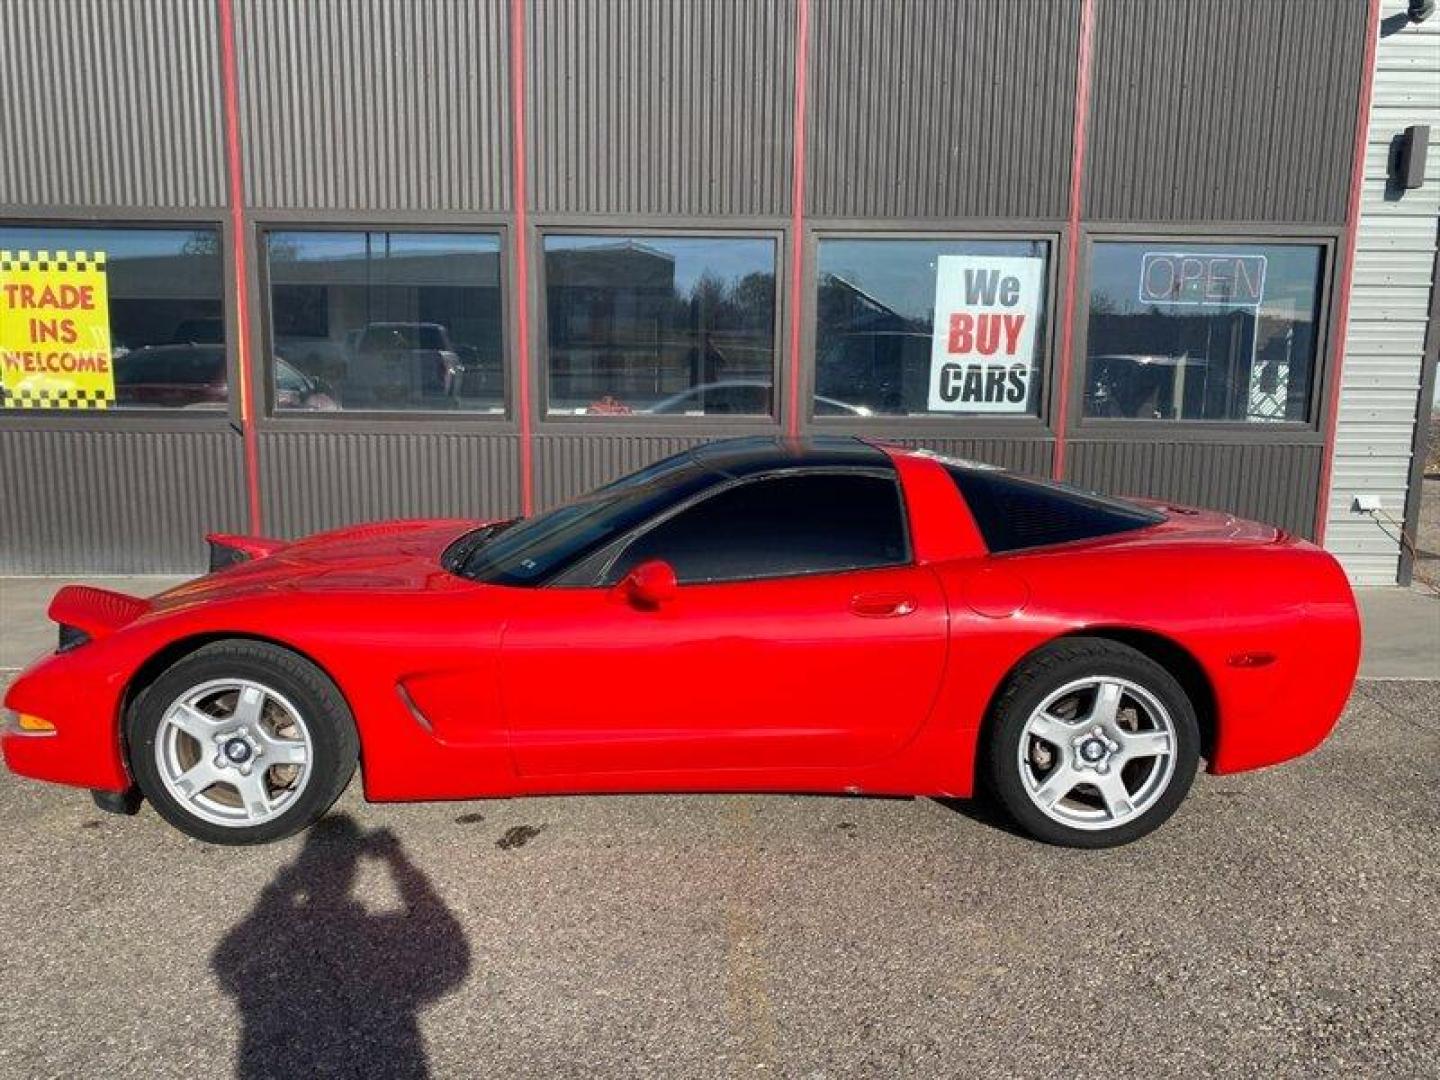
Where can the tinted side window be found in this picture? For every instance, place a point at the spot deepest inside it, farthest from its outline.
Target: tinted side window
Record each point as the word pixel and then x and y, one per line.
pixel 779 526
pixel 1015 513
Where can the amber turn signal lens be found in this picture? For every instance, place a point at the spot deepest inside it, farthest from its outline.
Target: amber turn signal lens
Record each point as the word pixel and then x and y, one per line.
pixel 27 722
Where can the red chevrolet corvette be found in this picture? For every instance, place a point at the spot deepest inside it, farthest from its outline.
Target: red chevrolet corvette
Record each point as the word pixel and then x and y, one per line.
pixel 752 615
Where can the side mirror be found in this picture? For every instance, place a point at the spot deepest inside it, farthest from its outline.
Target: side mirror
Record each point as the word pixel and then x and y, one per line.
pixel 651 584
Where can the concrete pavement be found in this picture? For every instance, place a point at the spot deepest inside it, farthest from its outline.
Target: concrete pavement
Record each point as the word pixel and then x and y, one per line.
pixel 1402 633
pixel 1283 924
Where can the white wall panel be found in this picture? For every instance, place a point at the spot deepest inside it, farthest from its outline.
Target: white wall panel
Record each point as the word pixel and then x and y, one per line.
pixel 1389 308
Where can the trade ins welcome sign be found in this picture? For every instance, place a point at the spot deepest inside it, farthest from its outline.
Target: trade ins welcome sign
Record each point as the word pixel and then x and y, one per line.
pixel 55 331
pixel 982 353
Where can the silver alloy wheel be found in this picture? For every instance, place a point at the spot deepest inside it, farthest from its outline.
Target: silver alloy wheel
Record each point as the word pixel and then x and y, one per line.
pixel 234 752
pixel 1097 752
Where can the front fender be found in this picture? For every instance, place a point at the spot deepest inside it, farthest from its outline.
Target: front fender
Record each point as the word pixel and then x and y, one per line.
pixel 79 692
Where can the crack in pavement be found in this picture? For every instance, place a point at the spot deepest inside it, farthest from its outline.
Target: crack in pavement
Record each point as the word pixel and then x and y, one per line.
pixel 752 1016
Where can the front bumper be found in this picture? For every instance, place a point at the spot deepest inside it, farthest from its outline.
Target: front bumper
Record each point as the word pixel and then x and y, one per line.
pixel 73 692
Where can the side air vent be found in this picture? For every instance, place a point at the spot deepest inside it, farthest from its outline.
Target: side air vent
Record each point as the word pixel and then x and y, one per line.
pixel 223 555
pixel 71 637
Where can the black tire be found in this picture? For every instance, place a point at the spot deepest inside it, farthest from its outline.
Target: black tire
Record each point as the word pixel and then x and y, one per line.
pixel 1047 672
pixel 335 745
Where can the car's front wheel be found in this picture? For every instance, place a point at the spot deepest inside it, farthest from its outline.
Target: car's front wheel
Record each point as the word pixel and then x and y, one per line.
pixel 1092 744
pixel 241 742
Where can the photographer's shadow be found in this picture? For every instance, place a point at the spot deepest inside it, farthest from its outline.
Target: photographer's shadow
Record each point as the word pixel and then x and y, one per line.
pixel 327 987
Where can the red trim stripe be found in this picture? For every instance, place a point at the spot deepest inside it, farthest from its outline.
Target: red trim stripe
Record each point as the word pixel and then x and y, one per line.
pixel 521 242
pixel 797 214
pixel 1347 273
pixel 1072 250
pixel 233 165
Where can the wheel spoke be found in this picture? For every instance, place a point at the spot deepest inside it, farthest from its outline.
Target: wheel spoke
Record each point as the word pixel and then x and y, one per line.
pixel 285 752
pixel 1145 744
pixel 197 778
pixel 1107 703
pixel 198 725
pixel 254 794
pixel 249 705
pixel 1113 791
pixel 1057 785
pixel 1052 729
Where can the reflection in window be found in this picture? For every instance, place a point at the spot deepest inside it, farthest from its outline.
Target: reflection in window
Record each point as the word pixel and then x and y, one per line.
pixel 1202 332
pixel 386 321
pixel 664 325
pixel 111 318
pixel 876 351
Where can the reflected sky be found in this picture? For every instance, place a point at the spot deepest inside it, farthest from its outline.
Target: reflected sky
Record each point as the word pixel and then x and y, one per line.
pixel 901 273
pixel 307 246
pixel 132 242
pixel 728 258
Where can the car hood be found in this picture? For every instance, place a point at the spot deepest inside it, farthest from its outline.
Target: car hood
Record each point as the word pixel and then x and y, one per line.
pixel 388 556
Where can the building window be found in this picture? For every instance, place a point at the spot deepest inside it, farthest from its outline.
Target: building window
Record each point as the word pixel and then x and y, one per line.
pixel 101 318
pixel 929 327
pixel 1202 331
pixel 660 325
pixel 385 321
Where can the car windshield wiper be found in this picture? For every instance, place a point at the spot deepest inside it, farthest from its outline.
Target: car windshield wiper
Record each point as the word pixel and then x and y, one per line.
pixel 458 554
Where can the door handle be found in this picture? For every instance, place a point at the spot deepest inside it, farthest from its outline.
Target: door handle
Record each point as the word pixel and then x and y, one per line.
pixel 882 605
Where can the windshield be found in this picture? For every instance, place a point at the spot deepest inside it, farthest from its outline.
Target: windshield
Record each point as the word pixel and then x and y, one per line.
pixel 531 552
pixel 289 378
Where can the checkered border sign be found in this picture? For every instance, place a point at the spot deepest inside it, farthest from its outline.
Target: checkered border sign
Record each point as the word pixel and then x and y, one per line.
pixel 45 261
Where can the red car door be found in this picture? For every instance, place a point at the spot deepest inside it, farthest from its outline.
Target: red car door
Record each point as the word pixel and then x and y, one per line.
pixel 826 650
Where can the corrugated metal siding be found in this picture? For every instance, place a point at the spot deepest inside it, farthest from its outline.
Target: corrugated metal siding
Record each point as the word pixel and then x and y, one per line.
pixel 369 104
pixel 317 480
pixel 654 107
pixel 572 464
pixel 1389 309
pixel 921 109
pixel 1271 482
pixel 1224 110
pixel 110 104
pixel 116 501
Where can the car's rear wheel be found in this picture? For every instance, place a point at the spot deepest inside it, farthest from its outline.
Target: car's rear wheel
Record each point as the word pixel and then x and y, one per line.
pixel 1092 744
pixel 241 742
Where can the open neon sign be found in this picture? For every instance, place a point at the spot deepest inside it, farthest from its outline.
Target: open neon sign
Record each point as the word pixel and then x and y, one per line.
pixel 1169 277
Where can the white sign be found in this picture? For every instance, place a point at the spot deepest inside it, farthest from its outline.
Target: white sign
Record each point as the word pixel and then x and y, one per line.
pixel 982 353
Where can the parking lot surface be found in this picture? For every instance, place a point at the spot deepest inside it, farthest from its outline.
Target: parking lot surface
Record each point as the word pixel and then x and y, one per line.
pixel 1285 922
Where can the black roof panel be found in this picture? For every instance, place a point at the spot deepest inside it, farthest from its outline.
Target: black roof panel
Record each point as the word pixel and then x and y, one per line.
pixel 763 453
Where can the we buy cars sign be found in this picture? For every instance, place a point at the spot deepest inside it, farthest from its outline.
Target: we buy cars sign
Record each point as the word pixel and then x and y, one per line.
pixel 982 353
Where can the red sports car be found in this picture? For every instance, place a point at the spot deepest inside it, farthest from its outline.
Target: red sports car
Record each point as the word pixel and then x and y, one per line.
pixel 752 615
